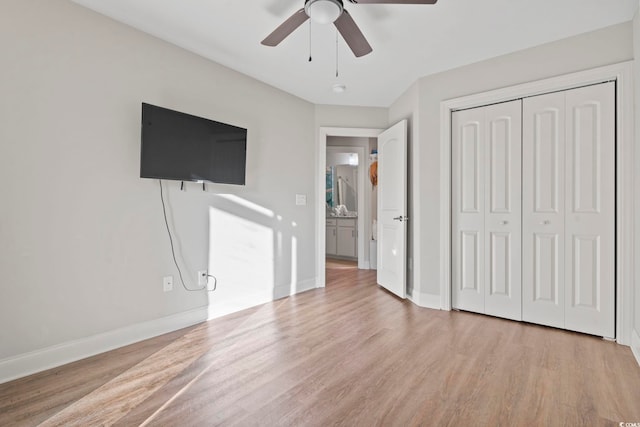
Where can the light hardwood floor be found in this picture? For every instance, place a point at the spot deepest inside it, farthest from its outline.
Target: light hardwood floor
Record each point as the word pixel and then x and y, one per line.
pixel 350 354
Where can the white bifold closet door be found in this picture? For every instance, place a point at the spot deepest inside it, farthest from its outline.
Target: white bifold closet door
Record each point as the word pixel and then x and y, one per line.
pixel 569 210
pixel 486 210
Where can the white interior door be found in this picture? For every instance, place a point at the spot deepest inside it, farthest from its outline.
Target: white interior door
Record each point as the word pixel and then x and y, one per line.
pixel 468 209
pixel 543 168
pixel 569 210
pixel 392 208
pixel 503 195
pixel 486 223
pixel 590 210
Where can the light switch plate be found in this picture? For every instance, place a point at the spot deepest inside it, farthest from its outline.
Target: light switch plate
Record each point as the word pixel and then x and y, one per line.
pixel 301 199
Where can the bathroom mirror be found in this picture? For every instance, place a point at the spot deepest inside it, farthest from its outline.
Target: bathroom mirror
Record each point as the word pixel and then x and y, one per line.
pixel 341 189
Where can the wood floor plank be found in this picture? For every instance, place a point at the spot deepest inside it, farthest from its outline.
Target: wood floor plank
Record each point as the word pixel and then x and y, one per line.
pixel 350 354
pixel 33 399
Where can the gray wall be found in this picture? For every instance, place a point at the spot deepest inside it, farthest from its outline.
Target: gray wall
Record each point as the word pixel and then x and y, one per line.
pixel 607 46
pixel 83 247
pixel 351 117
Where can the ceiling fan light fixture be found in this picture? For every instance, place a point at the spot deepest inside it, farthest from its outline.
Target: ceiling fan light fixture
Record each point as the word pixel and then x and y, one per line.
pixel 323 11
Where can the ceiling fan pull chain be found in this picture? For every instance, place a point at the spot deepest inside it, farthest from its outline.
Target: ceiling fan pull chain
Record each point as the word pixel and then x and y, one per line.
pixel 310 59
pixel 337 73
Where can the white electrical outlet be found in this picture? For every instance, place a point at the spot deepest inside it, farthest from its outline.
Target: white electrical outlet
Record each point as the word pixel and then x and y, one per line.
pixel 167 283
pixel 202 277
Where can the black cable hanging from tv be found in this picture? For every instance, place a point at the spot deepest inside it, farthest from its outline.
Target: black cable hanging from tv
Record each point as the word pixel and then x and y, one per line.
pixel 173 252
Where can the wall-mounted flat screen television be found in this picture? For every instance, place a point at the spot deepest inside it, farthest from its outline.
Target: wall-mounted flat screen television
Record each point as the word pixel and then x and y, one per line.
pixel 183 147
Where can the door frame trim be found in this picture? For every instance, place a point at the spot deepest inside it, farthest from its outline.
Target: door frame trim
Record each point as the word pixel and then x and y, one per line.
pixel 321 164
pixel 621 73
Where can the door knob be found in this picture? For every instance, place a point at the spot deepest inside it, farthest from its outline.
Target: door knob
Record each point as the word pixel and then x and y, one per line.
pixel 504 222
pixel 401 218
pixel 545 222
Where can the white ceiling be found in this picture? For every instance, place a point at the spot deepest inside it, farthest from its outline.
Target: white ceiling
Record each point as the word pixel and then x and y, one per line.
pixel 409 41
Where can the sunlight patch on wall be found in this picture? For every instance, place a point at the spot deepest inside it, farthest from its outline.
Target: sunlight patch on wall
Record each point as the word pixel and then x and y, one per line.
pixel 241 256
pixel 293 288
pixel 248 204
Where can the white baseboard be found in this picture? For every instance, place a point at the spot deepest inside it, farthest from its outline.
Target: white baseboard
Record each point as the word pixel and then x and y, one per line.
pixel 364 265
pixel 426 300
pixel 635 344
pixel 301 286
pixel 307 285
pixel 51 357
pixel 40 360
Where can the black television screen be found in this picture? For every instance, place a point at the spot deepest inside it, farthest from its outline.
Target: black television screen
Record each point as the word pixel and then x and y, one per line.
pixel 183 147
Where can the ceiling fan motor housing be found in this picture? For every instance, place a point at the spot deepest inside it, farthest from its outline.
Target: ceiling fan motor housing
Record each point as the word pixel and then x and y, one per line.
pixel 323 11
pixel 332 11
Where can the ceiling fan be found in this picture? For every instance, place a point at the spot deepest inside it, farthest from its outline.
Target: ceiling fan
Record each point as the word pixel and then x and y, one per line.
pixel 332 11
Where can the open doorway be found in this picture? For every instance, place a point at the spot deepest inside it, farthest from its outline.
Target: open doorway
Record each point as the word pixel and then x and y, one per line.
pixel 346 203
pixel 343 143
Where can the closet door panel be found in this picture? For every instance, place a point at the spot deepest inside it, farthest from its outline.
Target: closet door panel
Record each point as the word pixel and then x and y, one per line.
pixel 590 207
pixel 468 210
pixel 503 290
pixel 543 191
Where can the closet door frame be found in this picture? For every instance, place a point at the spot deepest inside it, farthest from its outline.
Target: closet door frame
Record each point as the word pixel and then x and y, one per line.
pixel 624 266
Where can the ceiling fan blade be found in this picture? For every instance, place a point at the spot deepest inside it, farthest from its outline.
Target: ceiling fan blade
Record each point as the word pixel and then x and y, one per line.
pixel 286 28
pixel 352 35
pixel 393 1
